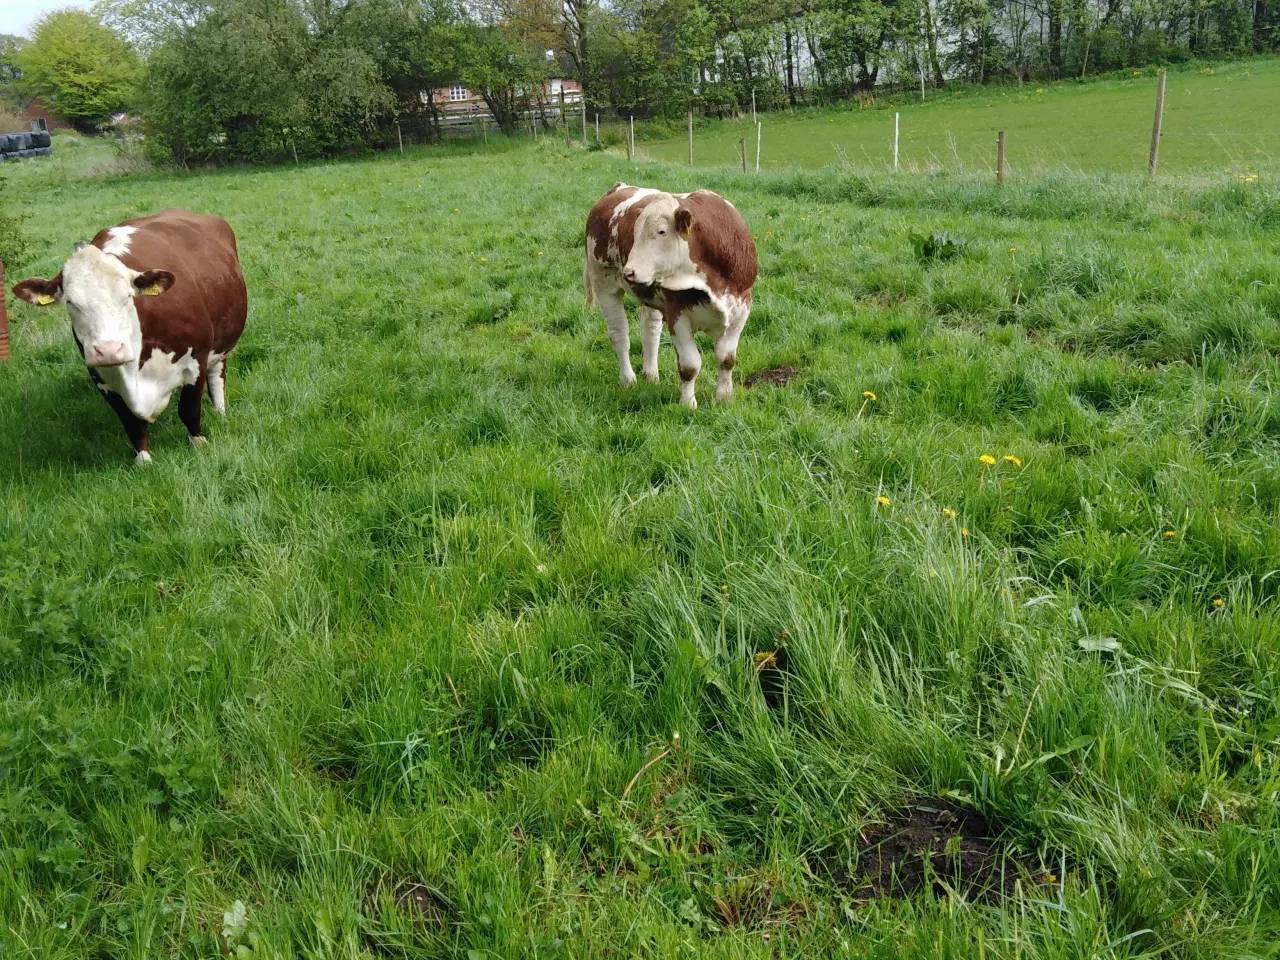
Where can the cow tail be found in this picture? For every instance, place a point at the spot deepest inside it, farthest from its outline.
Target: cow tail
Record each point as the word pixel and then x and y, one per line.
pixel 586 282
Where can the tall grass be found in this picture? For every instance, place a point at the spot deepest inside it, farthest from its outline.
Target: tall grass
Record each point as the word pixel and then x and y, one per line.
pixel 438 589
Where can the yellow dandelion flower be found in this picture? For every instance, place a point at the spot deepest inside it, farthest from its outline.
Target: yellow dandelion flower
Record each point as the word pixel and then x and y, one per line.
pixel 1217 601
pixel 455 209
pixel 987 458
pixel 868 394
pixel 484 259
pixel 948 513
pixel 1170 534
pixel 1010 458
pixel 883 501
pixel 1013 249
pixel 724 589
pixel 964 531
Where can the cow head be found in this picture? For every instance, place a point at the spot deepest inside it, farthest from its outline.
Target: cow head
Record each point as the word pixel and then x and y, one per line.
pixel 98 290
pixel 657 250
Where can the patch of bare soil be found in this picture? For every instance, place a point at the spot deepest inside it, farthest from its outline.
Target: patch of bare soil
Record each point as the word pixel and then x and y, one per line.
pixel 934 844
pixel 424 905
pixel 778 376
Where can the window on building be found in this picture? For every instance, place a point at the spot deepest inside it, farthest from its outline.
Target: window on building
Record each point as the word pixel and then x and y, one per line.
pixel 40 124
pixel 458 92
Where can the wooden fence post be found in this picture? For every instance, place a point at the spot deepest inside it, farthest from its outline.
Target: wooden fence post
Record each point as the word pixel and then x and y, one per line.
pixel 742 149
pixel 631 139
pixel 584 119
pixel 4 319
pixel 691 136
pixel 399 138
pixel 759 133
pixel 1000 159
pixel 597 126
pixel 753 105
pixel 895 141
pixel 484 130
pixel 1153 160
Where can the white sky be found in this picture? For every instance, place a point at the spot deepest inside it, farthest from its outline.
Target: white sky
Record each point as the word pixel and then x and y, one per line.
pixel 18 16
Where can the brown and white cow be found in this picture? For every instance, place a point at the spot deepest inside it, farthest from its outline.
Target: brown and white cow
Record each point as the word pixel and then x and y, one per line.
pixel 156 305
pixel 690 261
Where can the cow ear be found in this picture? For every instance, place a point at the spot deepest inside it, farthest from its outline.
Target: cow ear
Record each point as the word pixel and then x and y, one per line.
pixel 40 291
pixel 78 246
pixel 152 283
pixel 684 221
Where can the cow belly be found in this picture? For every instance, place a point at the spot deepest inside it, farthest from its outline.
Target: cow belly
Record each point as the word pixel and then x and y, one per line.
pixel 146 390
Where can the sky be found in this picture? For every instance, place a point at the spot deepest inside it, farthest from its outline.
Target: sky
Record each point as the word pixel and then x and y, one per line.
pixel 18 16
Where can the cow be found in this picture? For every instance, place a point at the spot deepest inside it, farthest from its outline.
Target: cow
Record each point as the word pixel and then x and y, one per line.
pixel 690 261
pixel 156 305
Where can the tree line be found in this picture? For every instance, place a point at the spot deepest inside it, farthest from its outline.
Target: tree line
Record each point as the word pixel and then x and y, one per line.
pixel 271 80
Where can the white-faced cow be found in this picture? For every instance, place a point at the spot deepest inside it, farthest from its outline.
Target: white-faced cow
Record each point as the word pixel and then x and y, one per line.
pixel 690 261
pixel 156 304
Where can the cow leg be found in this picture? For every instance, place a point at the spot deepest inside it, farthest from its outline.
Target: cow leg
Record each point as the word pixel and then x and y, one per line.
pixel 217 379
pixel 134 427
pixel 615 318
pixel 189 411
pixel 651 338
pixel 688 359
pixel 727 356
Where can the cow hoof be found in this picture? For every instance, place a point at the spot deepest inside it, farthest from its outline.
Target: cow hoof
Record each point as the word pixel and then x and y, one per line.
pixel 142 459
pixel 691 403
pixel 651 376
pixel 724 396
pixel 199 442
pixel 627 380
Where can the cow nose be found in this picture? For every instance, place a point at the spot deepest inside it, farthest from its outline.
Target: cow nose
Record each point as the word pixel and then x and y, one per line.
pixel 107 353
pixel 629 274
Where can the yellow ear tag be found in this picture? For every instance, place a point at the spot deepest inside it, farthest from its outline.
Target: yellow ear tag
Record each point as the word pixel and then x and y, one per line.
pixel 44 299
pixel 151 291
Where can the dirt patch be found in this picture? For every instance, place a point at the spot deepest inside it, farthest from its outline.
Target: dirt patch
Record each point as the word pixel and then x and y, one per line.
pixel 934 844
pixel 424 905
pixel 778 376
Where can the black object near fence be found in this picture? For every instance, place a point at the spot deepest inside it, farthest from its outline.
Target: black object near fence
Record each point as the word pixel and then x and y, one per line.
pixel 19 146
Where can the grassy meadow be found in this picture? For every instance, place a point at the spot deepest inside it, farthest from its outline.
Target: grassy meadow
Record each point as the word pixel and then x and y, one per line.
pixel 1224 117
pixel 415 622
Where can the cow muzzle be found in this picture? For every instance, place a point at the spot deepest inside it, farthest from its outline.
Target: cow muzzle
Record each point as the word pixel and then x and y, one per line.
pixel 629 275
pixel 107 353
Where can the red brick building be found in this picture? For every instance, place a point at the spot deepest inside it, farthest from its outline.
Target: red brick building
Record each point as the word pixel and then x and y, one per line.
pixel 41 119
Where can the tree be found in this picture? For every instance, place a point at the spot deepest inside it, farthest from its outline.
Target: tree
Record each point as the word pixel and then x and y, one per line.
pixel 83 70
pixel 9 72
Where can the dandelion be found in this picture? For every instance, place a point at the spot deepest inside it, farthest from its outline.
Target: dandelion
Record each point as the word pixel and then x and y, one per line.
pixel 1010 458
pixel 1040 91
pixel 868 394
pixel 964 531
pixel 987 458
pixel 1170 534
pixel 883 500
pixel 455 209
pixel 484 259
pixel 1217 601
pixel 765 659
pixel 724 589
pixel 539 253
pixel 948 513
pixel 1013 249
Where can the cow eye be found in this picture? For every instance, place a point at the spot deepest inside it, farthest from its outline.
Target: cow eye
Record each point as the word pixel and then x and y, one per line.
pixel 662 231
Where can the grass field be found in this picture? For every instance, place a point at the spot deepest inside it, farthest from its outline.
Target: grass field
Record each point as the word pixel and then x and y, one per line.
pixel 438 590
pixel 1225 117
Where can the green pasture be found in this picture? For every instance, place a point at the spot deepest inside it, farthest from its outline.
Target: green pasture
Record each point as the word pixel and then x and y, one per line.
pixel 1220 118
pixel 423 621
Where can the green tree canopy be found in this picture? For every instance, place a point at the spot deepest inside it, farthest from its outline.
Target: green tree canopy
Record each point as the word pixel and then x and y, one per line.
pixel 82 69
